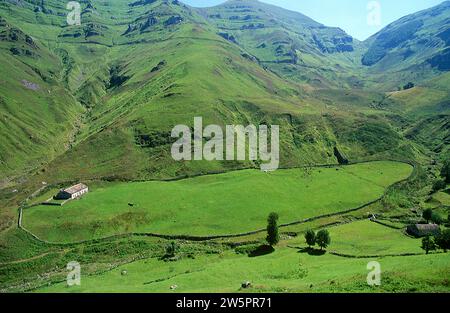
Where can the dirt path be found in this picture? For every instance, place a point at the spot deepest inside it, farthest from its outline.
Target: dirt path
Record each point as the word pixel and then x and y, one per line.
pixel 27 259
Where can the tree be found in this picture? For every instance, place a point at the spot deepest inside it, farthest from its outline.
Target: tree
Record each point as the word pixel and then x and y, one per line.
pixel 428 244
pixel 439 185
pixel 445 171
pixel 443 240
pixel 437 218
pixel 427 214
pixel 272 229
pixel 323 239
pixel 310 237
pixel 171 249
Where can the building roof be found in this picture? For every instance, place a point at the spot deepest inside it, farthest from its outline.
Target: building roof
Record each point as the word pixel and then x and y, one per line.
pixel 425 227
pixel 76 188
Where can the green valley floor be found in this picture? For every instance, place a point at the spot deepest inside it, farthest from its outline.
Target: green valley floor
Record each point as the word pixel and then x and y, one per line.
pixel 231 203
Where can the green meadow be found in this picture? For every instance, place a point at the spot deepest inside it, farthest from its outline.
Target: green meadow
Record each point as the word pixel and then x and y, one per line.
pixel 230 203
pixel 372 239
pixel 288 269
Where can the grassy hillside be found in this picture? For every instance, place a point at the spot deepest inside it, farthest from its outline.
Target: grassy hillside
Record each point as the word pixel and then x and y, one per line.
pixel 37 115
pixel 427 108
pixel 118 66
pixel 142 68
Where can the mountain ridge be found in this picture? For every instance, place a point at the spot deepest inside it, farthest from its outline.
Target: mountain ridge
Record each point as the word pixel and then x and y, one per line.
pixel 139 68
pixel 414 39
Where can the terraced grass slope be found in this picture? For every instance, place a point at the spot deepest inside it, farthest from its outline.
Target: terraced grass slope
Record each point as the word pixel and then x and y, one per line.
pixel 223 204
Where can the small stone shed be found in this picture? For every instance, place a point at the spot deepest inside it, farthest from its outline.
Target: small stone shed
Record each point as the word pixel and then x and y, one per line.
pixel 422 230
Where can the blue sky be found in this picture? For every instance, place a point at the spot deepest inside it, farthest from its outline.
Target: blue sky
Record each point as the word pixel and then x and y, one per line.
pixel 350 15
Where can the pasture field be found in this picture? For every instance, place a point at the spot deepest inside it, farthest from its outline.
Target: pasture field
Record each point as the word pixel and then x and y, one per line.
pixel 288 269
pixel 373 239
pixel 285 270
pixel 231 203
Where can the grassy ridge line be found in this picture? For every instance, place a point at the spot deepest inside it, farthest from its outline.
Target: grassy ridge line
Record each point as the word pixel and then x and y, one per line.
pixel 206 238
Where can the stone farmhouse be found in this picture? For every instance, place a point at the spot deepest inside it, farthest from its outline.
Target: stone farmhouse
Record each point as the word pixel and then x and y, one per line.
pixel 73 192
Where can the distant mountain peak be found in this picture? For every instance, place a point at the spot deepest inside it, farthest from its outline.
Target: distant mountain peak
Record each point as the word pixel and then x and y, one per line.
pixel 417 39
pixel 270 9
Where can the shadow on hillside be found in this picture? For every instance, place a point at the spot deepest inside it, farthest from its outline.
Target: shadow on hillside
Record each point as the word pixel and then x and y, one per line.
pixel 312 251
pixel 261 250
